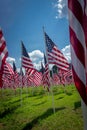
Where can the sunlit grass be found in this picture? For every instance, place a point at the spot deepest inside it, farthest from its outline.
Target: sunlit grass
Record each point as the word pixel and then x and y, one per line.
pixel 34 109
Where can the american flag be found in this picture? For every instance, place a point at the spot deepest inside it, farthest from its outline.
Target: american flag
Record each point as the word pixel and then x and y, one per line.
pixel 34 76
pixel 30 70
pixel 8 69
pixel 7 75
pixel 78 38
pixel 26 62
pixel 15 76
pixel 55 56
pixel 46 75
pixel 3 55
pixel 42 68
pixel 68 77
pixel 55 79
pixel 15 71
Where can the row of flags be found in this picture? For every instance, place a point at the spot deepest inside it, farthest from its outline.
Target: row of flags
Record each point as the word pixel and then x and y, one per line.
pixel 11 78
pixel 77 10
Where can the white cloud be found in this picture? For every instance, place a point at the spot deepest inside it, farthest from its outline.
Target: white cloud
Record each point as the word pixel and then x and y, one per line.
pixel 67 53
pixel 10 59
pixel 36 56
pixel 62 9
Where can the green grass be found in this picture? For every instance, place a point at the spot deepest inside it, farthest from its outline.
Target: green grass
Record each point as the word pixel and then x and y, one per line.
pixel 34 110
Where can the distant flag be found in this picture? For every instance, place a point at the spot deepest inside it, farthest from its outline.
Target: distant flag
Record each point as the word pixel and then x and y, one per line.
pixel 15 76
pixel 7 75
pixel 14 67
pixel 42 68
pixel 46 75
pixel 8 69
pixel 26 62
pixel 36 77
pixel 21 76
pixel 54 55
pixel 78 38
pixel 3 55
pixel 61 77
pixel 21 72
pixel 55 79
pixel 28 65
pixel 15 71
pixel 68 78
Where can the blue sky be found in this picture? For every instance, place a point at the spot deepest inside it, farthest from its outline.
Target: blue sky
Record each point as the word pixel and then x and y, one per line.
pixel 24 19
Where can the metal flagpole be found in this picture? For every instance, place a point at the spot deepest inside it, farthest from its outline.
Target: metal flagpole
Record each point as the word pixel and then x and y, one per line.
pixel 21 74
pixel 49 72
pixel 84 112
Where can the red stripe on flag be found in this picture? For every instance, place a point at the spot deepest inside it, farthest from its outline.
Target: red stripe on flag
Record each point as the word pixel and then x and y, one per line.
pixel 78 34
pixel 3 55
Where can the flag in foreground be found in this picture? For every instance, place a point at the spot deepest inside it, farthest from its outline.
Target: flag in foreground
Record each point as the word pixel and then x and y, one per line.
pixel 3 55
pixel 78 38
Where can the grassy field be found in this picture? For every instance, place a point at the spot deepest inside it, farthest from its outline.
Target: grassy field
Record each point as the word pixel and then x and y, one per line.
pixel 37 109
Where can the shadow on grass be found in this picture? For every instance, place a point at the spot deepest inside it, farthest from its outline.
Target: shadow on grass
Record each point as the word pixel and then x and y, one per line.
pixel 39 103
pixel 77 105
pixel 35 121
pixel 59 98
pixel 68 93
pixel 16 101
pixel 39 97
pixel 8 111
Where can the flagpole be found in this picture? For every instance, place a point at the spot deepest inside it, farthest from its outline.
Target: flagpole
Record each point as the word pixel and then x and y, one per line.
pixel 49 72
pixel 21 74
pixel 26 85
pixel 84 112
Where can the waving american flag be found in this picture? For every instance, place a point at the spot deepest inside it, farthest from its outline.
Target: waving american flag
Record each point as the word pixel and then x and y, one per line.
pixel 3 55
pixel 55 56
pixel 78 38
pixel 26 61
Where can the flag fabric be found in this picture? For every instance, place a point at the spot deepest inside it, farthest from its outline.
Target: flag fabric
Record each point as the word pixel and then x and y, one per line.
pixel 21 72
pixel 55 79
pixel 46 75
pixel 54 55
pixel 61 77
pixel 31 72
pixel 3 55
pixel 8 69
pixel 21 75
pixel 78 37
pixel 42 68
pixel 37 77
pixel 7 75
pixel 26 62
pixel 15 71
pixel 68 77
pixel 15 77
pixel 34 76
pixel 14 67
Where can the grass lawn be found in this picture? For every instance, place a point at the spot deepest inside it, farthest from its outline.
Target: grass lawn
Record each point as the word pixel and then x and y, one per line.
pixel 37 109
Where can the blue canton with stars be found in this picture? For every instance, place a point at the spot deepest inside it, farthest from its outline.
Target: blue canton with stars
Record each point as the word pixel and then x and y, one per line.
pixel 49 43
pixel 24 51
